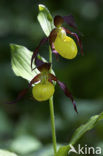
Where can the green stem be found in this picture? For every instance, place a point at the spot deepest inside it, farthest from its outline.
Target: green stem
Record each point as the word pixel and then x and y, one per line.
pixel 50 57
pixel 53 124
pixel 52 110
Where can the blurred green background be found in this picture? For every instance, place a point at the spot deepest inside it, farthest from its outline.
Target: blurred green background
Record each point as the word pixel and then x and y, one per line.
pixel 25 127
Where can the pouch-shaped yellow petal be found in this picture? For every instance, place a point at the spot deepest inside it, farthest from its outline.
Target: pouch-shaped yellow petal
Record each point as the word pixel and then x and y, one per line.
pixel 43 91
pixel 66 47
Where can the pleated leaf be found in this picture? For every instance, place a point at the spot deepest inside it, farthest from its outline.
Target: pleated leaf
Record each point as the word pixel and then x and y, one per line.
pixel 20 61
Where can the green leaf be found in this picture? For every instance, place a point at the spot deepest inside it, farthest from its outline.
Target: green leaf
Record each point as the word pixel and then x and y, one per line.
pixel 25 144
pixel 6 153
pixel 86 127
pixel 45 19
pixel 21 59
pixel 63 151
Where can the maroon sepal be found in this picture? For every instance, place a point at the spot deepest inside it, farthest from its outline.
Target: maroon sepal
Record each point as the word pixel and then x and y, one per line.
pixel 44 67
pixel 77 38
pixel 41 66
pixel 58 20
pixel 71 22
pixel 67 93
pixel 43 41
pixel 38 62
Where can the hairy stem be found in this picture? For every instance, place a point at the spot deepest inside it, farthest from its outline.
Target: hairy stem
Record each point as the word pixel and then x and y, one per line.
pixel 52 110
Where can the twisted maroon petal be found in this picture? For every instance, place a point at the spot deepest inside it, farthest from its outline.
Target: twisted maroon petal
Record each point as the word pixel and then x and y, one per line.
pixel 52 77
pixel 67 93
pixel 20 95
pixel 34 80
pixel 24 91
pixel 64 88
pixel 43 41
pixel 79 42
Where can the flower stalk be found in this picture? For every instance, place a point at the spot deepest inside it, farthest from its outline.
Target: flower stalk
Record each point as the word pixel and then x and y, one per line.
pixel 52 110
pixel 53 124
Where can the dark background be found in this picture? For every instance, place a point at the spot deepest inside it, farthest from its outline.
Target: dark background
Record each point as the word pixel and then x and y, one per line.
pixel 83 75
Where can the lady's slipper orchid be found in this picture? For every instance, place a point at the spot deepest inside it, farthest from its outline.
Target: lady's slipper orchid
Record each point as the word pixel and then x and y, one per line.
pixel 65 45
pixel 42 84
pixel 60 43
pixel 43 91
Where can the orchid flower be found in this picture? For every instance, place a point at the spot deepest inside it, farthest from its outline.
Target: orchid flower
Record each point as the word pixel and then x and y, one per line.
pixel 42 84
pixel 60 43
